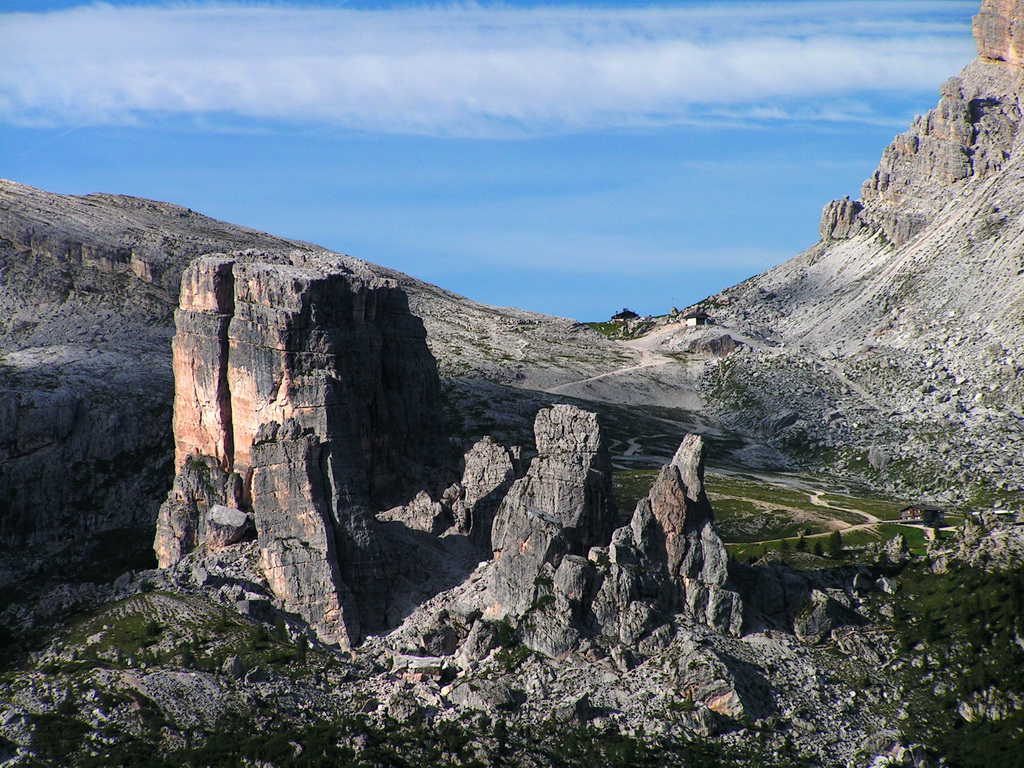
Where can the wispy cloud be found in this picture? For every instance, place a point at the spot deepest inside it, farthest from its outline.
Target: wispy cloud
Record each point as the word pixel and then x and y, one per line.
pixel 472 70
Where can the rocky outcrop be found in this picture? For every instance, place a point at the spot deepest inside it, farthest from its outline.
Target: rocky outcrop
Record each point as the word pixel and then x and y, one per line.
pixel 969 135
pixel 200 486
pixel 310 387
pixel 839 219
pixel 467 506
pixel 489 469
pixel 562 506
pixel 630 586
pixel 694 553
pixel 298 546
pixel 669 560
pixel 990 541
pixel 999 31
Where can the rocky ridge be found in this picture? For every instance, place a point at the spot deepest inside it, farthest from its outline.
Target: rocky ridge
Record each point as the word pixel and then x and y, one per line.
pixel 890 346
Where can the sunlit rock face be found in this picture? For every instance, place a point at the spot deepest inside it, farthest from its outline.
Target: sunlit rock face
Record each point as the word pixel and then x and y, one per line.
pixel 305 393
pixel 999 31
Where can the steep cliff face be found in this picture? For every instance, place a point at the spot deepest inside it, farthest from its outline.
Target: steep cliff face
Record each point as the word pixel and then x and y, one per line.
pixel 84 444
pixel 309 388
pixel 999 30
pixel 337 351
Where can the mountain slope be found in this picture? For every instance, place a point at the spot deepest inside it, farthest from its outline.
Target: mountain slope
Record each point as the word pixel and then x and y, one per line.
pixel 892 346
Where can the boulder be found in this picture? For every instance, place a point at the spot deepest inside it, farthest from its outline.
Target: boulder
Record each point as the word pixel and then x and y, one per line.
pixel 225 526
pixel 486 695
pixel 420 514
pixel 820 616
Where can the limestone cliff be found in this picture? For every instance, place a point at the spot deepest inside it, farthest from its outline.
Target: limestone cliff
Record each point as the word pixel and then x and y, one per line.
pixel 561 507
pixel 968 136
pixel 999 30
pixel 310 384
pixel 566 578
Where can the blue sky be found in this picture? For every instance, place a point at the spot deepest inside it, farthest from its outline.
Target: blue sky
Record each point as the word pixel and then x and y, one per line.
pixel 570 158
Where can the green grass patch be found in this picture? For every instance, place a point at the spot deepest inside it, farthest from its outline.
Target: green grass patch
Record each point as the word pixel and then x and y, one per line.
pixel 174 631
pixel 623 331
pixel 628 487
pixel 883 509
pixel 962 627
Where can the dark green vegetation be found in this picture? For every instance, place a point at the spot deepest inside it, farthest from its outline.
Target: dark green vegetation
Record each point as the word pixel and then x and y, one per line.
pixel 621 331
pixel 959 632
pixel 790 516
pixel 175 631
pixel 629 486
pixel 96 559
pixel 475 742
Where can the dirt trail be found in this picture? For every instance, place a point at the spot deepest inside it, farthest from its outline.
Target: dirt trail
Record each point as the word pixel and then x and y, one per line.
pixel 663 360
pixel 815 498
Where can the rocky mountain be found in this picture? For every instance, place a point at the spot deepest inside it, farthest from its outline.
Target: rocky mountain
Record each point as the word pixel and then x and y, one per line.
pixel 891 347
pixel 386 522
pixel 89 289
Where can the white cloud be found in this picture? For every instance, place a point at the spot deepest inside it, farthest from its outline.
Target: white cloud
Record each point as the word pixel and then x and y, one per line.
pixel 471 70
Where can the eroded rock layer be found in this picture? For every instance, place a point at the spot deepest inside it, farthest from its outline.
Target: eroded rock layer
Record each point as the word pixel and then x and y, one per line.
pixel 999 30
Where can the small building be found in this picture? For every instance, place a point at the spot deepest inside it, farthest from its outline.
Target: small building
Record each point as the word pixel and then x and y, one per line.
pixel 625 314
pixel 923 515
pixel 693 319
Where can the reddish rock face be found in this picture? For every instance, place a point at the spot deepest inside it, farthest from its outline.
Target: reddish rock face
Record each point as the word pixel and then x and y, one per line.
pixel 202 401
pixel 340 353
pixel 334 353
pixel 999 30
